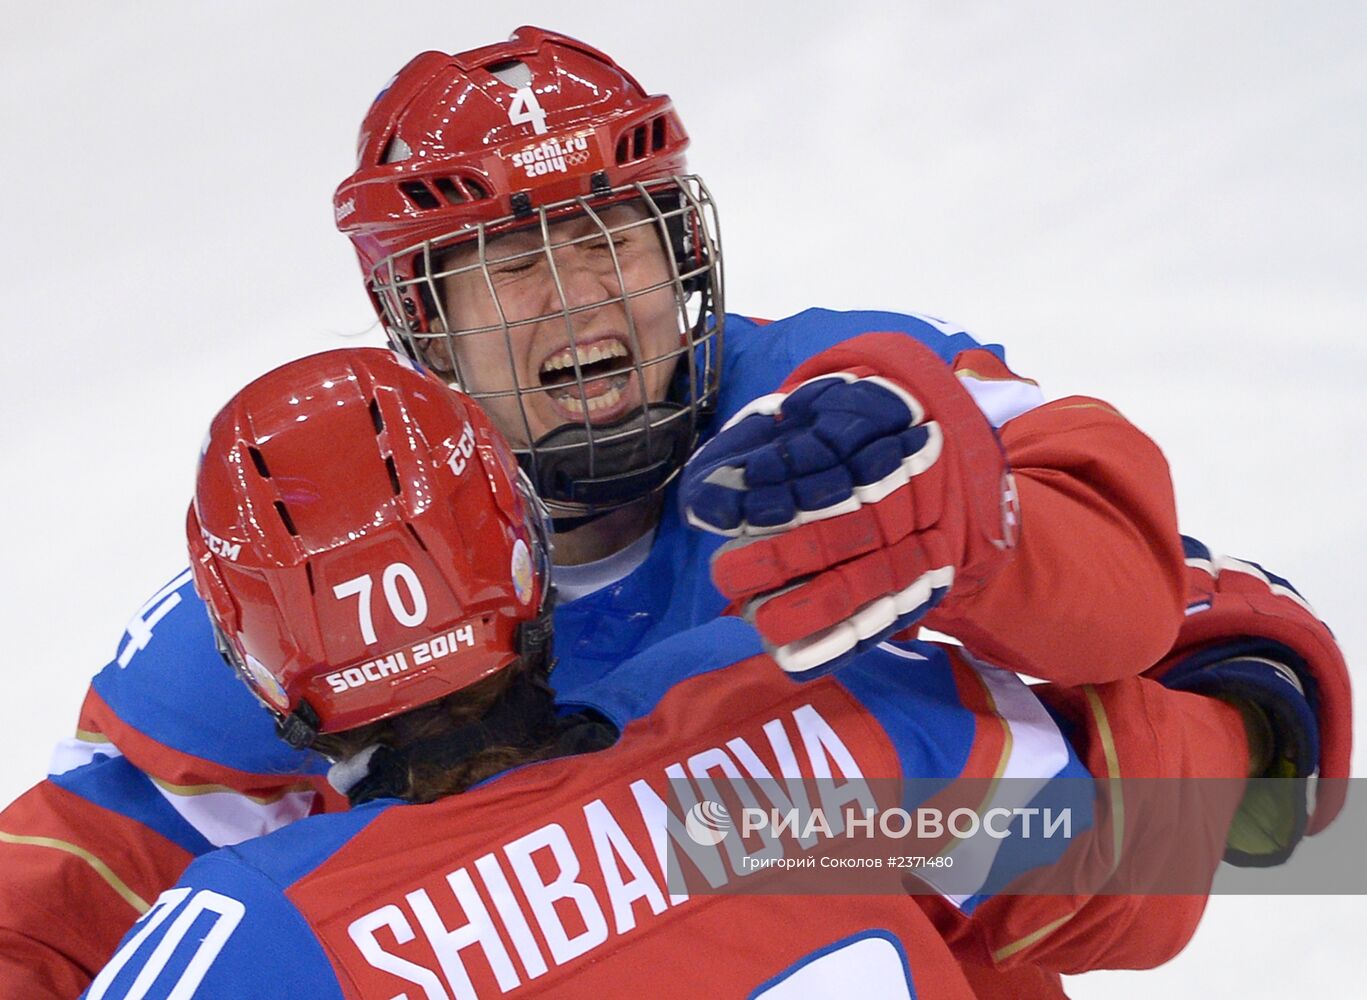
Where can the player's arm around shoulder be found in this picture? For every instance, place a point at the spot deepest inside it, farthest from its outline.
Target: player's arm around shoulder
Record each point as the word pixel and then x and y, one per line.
pixel 142 788
pixel 234 779
pixel 77 873
pixel 1095 586
pixel 908 474
pixel 226 930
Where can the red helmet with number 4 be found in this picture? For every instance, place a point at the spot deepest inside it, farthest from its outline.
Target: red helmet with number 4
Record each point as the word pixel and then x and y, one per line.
pixel 364 541
pixel 460 149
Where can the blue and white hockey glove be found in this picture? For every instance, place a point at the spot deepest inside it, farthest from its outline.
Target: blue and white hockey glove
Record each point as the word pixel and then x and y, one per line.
pixel 1252 639
pixel 857 496
pixel 1284 743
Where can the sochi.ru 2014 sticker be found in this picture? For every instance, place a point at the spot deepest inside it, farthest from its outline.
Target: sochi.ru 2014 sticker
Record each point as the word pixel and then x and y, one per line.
pixel 266 683
pixel 522 571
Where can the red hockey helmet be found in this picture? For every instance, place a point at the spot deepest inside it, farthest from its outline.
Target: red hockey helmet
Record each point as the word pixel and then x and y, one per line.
pixel 460 149
pixel 364 541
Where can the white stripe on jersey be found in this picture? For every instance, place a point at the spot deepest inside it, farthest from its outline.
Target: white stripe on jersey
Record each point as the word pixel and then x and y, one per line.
pixel 225 818
pixel 1002 399
pixel 74 752
pixel 1038 752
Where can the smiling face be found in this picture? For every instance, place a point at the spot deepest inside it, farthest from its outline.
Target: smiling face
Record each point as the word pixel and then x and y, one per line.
pixel 601 300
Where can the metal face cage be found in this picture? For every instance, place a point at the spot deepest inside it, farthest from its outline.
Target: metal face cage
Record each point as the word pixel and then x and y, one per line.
pixel 600 457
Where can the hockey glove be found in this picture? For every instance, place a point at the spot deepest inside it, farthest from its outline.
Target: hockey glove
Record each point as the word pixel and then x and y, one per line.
pixel 1283 743
pixel 857 496
pixel 1252 640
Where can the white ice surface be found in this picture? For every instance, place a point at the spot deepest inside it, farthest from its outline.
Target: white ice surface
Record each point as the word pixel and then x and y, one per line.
pixel 1164 207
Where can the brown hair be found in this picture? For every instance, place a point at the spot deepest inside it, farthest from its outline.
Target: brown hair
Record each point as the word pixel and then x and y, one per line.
pixel 430 780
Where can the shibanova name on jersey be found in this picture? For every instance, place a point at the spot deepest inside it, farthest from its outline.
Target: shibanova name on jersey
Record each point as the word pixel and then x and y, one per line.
pixel 555 868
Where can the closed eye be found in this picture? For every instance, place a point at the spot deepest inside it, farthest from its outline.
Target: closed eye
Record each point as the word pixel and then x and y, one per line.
pixel 518 265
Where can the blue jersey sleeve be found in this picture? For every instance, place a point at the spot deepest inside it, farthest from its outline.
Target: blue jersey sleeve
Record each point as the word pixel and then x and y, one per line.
pixel 758 357
pixel 167 679
pixel 116 785
pixel 223 933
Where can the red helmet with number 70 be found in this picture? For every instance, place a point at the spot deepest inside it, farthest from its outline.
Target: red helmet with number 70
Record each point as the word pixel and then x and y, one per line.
pixel 365 542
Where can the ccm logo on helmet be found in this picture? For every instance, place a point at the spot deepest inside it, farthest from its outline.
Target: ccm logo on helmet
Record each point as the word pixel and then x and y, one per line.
pixel 416 655
pixel 462 450
pixel 220 546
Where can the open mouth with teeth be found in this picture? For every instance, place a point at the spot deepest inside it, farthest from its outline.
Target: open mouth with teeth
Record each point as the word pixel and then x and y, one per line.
pixel 606 368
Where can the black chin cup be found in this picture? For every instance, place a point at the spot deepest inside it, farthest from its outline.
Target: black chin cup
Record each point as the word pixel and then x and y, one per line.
pixel 610 465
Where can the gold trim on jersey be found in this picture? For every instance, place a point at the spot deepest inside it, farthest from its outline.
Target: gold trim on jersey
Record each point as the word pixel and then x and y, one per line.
pixel 1117 819
pixel 101 869
pixel 188 791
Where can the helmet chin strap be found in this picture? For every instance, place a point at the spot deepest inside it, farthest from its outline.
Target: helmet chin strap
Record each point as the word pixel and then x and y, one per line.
pixel 564 524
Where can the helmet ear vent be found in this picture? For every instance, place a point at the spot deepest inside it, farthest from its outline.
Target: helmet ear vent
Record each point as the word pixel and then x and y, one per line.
pixel 449 191
pixel 418 193
pixel 460 190
pixel 633 145
pixel 453 192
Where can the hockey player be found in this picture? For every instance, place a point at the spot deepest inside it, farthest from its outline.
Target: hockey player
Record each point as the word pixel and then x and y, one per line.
pixel 539 284
pixel 528 229
pixel 545 248
pixel 401 626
